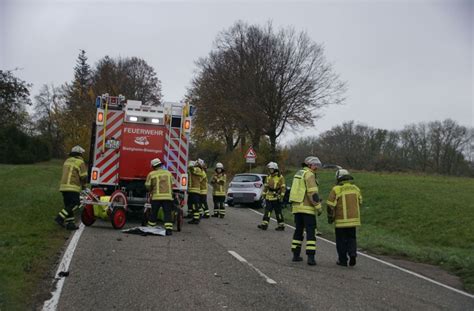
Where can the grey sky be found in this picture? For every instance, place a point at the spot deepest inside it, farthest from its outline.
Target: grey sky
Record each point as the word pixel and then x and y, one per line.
pixel 404 61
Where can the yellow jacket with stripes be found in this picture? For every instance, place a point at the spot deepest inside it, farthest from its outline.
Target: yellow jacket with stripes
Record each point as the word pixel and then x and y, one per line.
pixel 303 188
pixel 344 205
pixel 74 174
pixel 159 183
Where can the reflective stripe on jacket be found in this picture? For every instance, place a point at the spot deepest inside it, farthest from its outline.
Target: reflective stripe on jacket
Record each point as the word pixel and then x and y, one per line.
pixel 74 174
pixel 203 183
pixel 218 184
pixel 195 175
pixel 159 183
pixel 274 187
pixel 344 204
pixel 302 190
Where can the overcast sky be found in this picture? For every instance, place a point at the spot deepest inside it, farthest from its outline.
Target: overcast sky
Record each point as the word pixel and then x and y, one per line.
pixel 404 61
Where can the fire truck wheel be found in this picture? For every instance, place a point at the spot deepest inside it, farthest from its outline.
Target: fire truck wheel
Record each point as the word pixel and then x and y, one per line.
pixel 179 219
pixel 118 218
pixel 87 215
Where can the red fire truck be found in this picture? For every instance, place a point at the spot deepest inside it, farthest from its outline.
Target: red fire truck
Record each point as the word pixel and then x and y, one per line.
pixel 126 136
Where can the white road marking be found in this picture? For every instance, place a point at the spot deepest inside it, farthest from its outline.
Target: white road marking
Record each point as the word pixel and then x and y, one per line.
pixel 390 265
pixel 242 259
pixel 52 304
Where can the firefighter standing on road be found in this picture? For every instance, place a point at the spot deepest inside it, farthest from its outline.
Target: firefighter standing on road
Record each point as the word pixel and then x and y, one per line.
pixel 73 179
pixel 343 207
pixel 273 193
pixel 203 189
pixel 159 184
pixel 305 204
pixel 194 192
pixel 218 190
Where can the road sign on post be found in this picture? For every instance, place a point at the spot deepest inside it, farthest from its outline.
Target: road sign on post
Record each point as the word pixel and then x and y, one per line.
pixel 250 157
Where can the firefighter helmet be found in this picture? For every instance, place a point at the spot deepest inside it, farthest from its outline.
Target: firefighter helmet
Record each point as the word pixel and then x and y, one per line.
pixel 272 165
pixel 200 162
pixel 343 174
pixel 155 162
pixel 311 160
pixel 220 165
pixel 78 149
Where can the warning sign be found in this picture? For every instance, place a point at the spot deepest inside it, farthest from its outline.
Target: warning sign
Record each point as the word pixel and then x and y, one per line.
pixel 250 155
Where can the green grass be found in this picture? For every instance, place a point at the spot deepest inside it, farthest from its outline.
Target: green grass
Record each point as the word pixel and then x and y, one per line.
pixel 428 219
pixel 29 239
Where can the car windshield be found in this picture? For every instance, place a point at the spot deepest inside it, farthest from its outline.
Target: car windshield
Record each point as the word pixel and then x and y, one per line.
pixel 246 178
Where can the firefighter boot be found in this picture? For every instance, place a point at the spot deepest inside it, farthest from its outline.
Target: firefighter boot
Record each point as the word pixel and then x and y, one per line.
pixel 71 226
pixel 280 228
pixel 169 232
pixel 297 257
pixel 59 220
pixel 352 261
pixel 193 222
pixel 262 226
pixel 215 215
pixel 311 260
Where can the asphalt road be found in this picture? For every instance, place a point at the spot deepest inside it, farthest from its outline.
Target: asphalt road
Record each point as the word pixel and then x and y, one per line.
pixel 194 270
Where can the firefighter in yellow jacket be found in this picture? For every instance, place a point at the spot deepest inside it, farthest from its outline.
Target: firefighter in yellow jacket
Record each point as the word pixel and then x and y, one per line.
pixel 343 207
pixel 218 190
pixel 204 209
pixel 194 192
pixel 273 193
pixel 159 184
pixel 73 179
pixel 305 203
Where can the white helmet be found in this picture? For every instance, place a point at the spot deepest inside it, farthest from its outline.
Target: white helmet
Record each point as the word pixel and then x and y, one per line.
pixel 192 163
pixel 342 173
pixel 78 149
pixel 155 162
pixel 272 165
pixel 220 165
pixel 200 162
pixel 311 160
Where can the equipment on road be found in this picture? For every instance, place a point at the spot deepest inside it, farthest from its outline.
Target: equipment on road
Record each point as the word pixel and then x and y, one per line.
pixel 128 136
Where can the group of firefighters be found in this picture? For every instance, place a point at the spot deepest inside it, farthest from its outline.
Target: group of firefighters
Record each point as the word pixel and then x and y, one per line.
pixel 343 202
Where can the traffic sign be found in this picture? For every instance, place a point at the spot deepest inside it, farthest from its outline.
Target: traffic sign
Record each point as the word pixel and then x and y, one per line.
pixel 250 154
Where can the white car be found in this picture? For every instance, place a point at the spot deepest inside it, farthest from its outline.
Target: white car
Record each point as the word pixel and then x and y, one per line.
pixel 246 188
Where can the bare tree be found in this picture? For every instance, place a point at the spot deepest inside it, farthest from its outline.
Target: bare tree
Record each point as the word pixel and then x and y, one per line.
pixel 271 79
pixel 48 110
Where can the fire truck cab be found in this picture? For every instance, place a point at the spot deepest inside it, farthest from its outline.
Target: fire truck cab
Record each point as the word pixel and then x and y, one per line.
pixel 126 136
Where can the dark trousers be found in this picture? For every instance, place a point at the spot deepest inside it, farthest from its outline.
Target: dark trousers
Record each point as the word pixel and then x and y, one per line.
pixel 204 206
pixel 194 202
pixel 273 206
pixel 303 222
pixel 72 202
pixel 219 208
pixel 167 205
pixel 346 243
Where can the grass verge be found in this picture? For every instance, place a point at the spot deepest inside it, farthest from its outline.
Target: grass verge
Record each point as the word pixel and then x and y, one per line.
pixel 427 219
pixel 29 239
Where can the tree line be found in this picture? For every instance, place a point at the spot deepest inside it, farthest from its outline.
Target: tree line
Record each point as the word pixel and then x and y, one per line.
pixel 62 115
pixel 441 147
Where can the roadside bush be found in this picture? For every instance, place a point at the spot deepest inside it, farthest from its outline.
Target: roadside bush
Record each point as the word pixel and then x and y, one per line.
pixel 17 147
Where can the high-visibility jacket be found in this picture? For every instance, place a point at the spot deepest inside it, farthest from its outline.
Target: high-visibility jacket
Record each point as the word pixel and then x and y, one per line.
pixel 302 194
pixel 344 205
pixel 203 183
pixel 274 187
pixel 74 174
pixel 218 184
pixel 195 176
pixel 159 183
